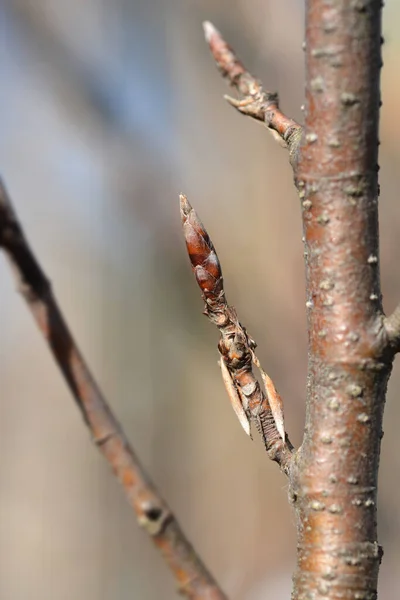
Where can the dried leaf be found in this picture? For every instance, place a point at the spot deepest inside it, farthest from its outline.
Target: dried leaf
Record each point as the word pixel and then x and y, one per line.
pixel 234 397
pixel 275 402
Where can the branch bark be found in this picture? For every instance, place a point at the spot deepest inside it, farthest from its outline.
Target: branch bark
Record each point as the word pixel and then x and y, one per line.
pixel 335 487
pixel 333 475
pixel 257 103
pixel 153 514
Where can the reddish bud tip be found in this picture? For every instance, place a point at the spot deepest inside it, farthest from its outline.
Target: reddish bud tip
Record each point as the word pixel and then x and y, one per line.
pixel 203 258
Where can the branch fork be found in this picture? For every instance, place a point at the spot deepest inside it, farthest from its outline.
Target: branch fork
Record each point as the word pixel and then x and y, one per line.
pixel 257 103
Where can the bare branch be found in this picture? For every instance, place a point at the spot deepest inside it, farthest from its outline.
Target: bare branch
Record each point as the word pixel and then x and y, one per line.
pixel 235 346
pixel 257 103
pixel 392 327
pixel 153 513
pixel 348 365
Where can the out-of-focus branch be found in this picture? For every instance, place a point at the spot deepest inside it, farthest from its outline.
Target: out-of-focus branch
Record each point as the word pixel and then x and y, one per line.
pixel 257 103
pixel 392 327
pixel 153 513
pixel 236 347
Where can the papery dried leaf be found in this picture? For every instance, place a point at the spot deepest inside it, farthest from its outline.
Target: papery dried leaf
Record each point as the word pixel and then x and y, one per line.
pixel 234 397
pixel 275 402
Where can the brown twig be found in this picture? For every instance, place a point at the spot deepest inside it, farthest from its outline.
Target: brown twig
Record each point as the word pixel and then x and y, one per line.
pixel 236 347
pixel 257 103
pixel 152 511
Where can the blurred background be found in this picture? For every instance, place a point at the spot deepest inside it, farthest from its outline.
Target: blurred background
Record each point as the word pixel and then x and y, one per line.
pixel 107 111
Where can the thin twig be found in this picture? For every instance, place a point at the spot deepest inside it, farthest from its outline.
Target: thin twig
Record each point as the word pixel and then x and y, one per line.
pixel 153 513
pixel 236 347
pixel 257 103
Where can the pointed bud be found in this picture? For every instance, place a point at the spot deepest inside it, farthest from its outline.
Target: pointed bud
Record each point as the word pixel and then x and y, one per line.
pixel 203 258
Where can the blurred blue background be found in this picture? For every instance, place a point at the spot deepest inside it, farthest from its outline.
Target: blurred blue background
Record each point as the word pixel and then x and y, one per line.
pixel 107 111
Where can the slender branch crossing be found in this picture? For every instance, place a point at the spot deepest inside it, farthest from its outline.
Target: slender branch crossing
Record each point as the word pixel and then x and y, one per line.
pixel 153 513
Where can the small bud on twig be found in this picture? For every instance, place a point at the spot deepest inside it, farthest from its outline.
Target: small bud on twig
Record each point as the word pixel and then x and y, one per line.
pixel 236 347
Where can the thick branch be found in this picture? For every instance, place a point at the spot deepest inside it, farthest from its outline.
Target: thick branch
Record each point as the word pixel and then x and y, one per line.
pixel 236 347
pixel 336 487
pixel 257 103
pixel 392 328
pixel 152 512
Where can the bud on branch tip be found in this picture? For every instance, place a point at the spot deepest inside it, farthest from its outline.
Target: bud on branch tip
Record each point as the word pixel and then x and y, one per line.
pixel 236 347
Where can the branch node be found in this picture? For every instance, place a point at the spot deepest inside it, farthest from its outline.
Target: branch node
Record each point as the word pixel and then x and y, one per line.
pixel 154 519
pixel 102 440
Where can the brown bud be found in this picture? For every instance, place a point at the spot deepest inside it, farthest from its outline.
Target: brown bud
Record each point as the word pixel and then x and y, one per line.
pixel 203 258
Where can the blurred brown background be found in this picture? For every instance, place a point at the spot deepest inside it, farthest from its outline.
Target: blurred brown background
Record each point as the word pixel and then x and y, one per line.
pixel 107 111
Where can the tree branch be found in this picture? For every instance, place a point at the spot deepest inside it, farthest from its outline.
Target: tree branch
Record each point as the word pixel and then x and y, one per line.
pixel 236 347
pixel 153 513
pixel 257 103
pixel 335 490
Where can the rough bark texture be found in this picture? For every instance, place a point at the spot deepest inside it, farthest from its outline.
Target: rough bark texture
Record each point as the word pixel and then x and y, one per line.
pixel 334 478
